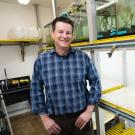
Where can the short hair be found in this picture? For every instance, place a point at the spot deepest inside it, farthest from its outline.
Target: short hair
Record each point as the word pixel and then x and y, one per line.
pixel 62 19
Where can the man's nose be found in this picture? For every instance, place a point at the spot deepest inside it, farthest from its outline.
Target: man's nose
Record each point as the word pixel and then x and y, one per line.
pixel 65 35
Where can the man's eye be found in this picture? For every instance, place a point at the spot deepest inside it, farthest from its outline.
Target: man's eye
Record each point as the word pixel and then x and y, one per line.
pixel 60 31
pixel 69 33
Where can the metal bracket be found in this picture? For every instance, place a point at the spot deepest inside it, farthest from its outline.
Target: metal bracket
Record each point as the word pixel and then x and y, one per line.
pixel 22 51
pixel 111 52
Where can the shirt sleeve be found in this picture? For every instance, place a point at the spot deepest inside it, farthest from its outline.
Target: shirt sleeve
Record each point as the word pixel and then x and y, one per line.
pixel 94 95
pixel 37 91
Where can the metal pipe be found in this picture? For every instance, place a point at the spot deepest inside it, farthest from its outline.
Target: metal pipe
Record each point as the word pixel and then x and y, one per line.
pixel 37 15
pixel 127 45
pixel 6 79
pixel 54 8
pixel 91 15
pixel 124 67
pixel 38 21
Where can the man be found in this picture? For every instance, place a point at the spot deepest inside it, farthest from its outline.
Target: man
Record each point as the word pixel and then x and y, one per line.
pixel 58 89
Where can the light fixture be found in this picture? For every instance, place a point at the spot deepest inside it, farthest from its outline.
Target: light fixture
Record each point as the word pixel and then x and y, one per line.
pixel 23 2
pixel 107 4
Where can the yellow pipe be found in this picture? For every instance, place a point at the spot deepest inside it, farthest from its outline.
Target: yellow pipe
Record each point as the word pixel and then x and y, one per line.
pixel 115 39
pixel 14 40
pixel 95 42
pixel 80 44
pixel 123 38
pixel 107 40
pixel 112 89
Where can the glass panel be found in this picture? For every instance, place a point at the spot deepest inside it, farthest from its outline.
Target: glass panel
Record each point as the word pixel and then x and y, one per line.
pixel 78 14
pixel 106 20
pixel 115 18
pixel 125 16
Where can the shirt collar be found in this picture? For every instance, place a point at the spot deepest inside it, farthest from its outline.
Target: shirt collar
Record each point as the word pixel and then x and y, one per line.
pixel 52 51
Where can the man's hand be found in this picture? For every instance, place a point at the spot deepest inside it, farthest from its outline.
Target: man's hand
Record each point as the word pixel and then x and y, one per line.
pixel 51 126
pixel 84 117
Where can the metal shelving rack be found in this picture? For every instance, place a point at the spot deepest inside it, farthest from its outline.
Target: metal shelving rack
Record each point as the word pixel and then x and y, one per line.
pixel 111 44
pixel 122 43
pixel 118 43
pixel 5 125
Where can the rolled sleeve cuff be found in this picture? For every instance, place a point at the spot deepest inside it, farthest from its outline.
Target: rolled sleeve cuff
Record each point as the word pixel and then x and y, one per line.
pixel 93 101
pixel 40 110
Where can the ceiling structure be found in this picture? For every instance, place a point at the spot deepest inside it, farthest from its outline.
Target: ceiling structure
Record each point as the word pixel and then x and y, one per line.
pixel 62 3
pixel 45 3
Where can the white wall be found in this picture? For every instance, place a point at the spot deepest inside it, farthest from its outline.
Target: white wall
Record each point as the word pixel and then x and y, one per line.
pixel 14 15
pixel 130 55
pixel 10 58
pixel 111 68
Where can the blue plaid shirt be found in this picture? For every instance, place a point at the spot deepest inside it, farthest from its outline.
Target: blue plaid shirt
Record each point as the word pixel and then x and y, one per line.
pixel 59 83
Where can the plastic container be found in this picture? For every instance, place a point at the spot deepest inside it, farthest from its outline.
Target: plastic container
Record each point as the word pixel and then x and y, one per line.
pixel 24 33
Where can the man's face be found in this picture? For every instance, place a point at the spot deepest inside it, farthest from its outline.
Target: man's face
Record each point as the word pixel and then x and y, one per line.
pixel 62 35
